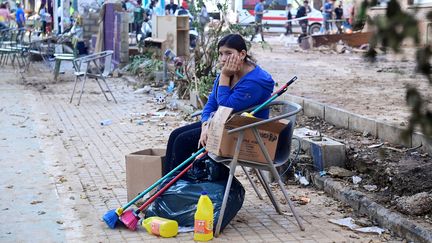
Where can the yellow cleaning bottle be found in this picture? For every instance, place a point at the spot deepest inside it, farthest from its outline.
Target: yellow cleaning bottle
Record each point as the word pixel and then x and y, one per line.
pixel 160 226
pixel 203 226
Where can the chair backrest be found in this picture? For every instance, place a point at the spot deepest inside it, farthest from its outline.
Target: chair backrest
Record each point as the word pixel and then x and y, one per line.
pixel 289 111
pixel 99 57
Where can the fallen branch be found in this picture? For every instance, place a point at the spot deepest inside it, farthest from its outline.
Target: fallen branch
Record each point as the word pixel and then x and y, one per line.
pixel 403 150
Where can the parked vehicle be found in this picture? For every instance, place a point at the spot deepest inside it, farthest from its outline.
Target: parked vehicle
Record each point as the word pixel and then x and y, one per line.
pixel 275 15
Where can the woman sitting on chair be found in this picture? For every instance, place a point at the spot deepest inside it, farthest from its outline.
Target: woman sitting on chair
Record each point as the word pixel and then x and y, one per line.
pixel 240 85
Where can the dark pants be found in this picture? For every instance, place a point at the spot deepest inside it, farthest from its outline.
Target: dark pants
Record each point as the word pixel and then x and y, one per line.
pixel 182 143
pixel 258 29
pixel 59 25
pixel 288 28
pixel 43 27
pixel 304 26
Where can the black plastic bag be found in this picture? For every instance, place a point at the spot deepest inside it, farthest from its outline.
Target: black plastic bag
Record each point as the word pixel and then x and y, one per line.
pixel 180 200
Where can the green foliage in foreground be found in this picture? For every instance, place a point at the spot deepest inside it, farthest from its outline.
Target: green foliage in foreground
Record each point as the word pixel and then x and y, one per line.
pixel 391 30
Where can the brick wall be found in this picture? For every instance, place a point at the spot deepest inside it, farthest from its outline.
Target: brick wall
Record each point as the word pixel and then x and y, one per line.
pixel 90 27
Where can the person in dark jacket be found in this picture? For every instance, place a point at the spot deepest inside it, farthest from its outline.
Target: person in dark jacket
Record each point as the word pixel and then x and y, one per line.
pixel 338 14
pixel 241 84
pixel 302 12
pixel 288 25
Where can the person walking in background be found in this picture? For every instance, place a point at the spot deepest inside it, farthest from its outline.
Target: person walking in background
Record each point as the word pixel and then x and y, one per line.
pixel 138 17
pixel 339 14
pixel 20 16
pixel 59 19
pixel 204 17
pixel 327 13
pixel 289 17
pixel 43 19
pixel 302 12
pixel 171 8
pixel 5 16
pixel 259 13
pixel 130 8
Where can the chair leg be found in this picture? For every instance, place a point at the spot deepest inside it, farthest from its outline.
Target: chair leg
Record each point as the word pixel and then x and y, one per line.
pixel 109 90
pixel 82 89
pixel 103 92
pixel 269 192
pixel 57 69
pixel 73 91
pixel 233 166
pixel 277 177
pixel 285 193
pixel 252 183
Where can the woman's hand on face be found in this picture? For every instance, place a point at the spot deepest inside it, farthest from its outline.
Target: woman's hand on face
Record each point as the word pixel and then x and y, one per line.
pixel 232 65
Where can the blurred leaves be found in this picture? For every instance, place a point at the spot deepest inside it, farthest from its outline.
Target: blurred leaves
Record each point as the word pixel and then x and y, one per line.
pixel 391 31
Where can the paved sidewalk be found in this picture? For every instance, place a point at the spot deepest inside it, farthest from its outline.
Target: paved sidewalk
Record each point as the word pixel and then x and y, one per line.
pixel 75 168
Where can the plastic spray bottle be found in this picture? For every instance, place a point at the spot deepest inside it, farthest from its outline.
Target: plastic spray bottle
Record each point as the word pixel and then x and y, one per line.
pixel 203 226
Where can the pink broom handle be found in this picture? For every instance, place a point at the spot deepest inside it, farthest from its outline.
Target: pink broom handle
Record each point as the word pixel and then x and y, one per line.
pixel 163 189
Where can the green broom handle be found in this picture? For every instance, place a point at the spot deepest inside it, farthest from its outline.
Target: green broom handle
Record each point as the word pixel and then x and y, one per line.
pixel 275 95
pixel 162 179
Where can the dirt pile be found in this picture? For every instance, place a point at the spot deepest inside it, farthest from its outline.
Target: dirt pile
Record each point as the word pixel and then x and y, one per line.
pixel 391 174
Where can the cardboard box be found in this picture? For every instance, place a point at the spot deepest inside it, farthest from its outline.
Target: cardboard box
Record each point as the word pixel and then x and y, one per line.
pixel 143 168
pixel 223 144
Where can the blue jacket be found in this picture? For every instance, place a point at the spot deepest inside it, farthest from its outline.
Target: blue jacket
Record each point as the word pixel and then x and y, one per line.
pixel 252 89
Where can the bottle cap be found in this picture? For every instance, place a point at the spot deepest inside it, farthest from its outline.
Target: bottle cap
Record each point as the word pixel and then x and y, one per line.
pixel 204 193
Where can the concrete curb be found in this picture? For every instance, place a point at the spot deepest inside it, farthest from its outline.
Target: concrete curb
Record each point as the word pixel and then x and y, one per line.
pixel 351 121
pixel 386 218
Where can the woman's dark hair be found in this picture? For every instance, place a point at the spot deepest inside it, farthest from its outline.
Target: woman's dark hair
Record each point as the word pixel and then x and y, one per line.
pixel 235 41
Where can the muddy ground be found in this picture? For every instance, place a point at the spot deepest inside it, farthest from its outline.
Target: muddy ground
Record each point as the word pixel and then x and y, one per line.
pixel 396 174
pixel 375 90
pixel 347 81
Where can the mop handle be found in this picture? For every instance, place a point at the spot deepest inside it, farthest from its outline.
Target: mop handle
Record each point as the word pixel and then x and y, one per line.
pixel 162 179
pixel 275 95
pixel 163 189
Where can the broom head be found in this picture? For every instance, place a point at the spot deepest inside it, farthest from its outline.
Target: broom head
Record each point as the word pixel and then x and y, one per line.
pixel 129 219
pixel 111 217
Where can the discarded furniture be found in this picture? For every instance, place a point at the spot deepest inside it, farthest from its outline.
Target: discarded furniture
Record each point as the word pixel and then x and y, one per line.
pixel 288 111
pixel 354 40
pixel 89 67
pixel 174 30
pixel 59 57
pixel 44 48
pixel 12 46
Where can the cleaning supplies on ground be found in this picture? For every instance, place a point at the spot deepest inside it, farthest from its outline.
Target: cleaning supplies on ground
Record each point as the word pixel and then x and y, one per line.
pixel 203 226
pixel 179 202
pixel 160 226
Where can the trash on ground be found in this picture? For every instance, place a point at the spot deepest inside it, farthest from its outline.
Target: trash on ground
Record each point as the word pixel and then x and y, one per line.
pixel 335 171
pixel 303 181
pixel 145 90
pixel 160 98
pixel 349 222
pixel 417 204
pixel 356 179
pixel 373 229
pixel 370 188
pixel 376 145
pixel 106 122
